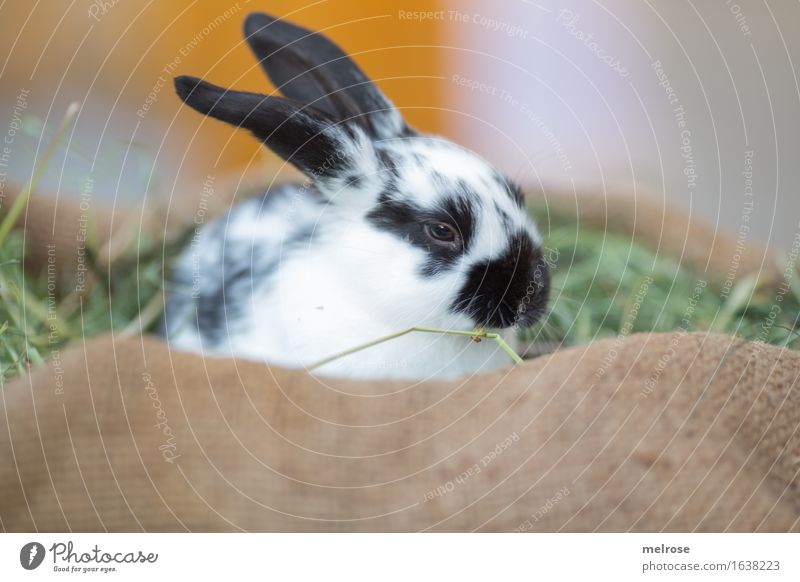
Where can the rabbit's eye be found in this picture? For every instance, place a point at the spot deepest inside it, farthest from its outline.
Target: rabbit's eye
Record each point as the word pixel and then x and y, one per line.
pixel 441 231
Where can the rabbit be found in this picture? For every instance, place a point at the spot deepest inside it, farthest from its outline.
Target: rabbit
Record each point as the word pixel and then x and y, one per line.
pixel 391 229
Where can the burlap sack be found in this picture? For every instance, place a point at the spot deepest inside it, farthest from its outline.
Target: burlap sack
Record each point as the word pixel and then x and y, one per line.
pixel 676 432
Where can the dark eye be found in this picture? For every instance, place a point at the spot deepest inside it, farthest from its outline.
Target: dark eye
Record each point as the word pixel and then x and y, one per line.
pixel 441 231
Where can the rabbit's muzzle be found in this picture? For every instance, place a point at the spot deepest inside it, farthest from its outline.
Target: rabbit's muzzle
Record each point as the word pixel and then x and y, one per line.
pixel 508 291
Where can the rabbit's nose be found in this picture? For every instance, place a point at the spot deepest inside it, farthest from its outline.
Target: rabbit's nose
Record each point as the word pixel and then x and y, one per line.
pixel 508 290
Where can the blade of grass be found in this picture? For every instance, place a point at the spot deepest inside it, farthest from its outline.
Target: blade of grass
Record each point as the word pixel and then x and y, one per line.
pixel 22 199
pixel 475 334
pixel 146 317
pixel 737 301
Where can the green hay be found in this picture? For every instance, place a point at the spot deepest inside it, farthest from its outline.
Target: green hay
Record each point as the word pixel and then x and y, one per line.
pixel 40 314
pixel 604 285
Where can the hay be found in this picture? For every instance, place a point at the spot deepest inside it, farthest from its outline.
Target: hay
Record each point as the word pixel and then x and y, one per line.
pixel 605 284
pixel 42 312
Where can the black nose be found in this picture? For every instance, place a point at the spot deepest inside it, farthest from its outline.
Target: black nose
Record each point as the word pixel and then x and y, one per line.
pixel 510 290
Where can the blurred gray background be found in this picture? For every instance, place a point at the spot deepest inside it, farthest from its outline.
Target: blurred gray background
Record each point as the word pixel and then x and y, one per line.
pixel 582 98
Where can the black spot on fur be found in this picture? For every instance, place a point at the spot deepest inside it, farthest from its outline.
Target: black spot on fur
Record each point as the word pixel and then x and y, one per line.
pixel 505 218
pixel 408 221
pixel 438 180
pixel 245 267
pixel 388 163
pixel 460 212
pixel 517 195
pixel 509 290
pixel 419 158
pixel 513 189
pixel 354 180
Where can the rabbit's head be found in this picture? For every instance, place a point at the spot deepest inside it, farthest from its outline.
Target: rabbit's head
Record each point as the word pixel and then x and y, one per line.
pixel 429 225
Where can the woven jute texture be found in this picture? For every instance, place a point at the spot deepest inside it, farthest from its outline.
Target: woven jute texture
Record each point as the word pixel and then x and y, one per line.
pixel 672 432
pixel 656 432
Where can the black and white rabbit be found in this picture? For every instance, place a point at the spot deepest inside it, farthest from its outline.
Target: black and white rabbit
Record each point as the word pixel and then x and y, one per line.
pixel 393 229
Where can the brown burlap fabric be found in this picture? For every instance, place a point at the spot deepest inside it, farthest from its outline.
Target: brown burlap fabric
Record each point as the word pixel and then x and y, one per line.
pixel 675 432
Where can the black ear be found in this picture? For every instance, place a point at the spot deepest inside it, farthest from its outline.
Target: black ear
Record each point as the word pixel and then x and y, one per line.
pixel 308 67
pixel 299 134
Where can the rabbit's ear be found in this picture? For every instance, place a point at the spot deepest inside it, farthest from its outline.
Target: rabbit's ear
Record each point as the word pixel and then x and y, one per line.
pixel 302 136
pixel 308 67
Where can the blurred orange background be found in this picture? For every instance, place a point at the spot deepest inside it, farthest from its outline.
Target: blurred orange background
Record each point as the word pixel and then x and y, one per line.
pixel 118 59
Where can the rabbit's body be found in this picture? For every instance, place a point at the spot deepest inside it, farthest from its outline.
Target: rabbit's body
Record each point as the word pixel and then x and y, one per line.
pixel 395 230
pixel 269 281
